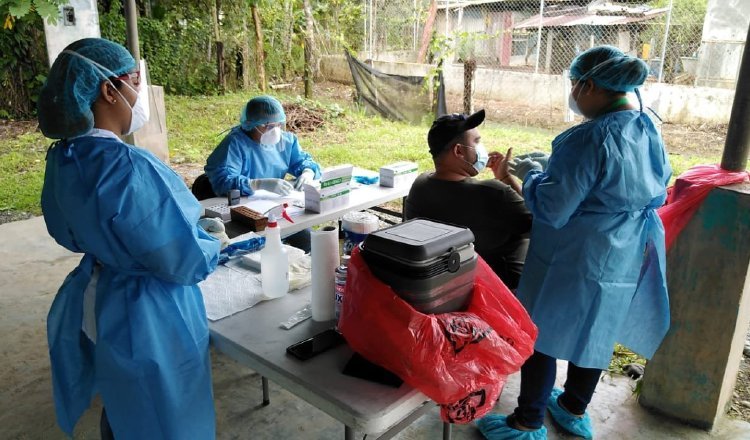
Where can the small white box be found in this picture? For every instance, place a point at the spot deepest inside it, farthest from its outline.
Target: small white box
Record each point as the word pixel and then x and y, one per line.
pixel 397 174
pixel 331 191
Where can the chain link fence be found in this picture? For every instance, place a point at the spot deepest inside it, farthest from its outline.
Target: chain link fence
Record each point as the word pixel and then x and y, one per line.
pixel 682 42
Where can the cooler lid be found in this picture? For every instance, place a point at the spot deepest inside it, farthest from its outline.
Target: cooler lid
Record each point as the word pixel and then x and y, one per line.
pixel 418 239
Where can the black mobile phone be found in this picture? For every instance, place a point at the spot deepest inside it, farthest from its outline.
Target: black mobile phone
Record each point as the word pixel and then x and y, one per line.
pixel 319 343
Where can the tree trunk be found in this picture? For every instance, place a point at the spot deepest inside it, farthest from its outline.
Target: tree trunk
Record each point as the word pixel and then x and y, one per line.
pixel 260 59
pixel 245 54
pixel 308 71
pixel 289 31
pixel 427 33
pixel 470 66
pixel 310 40
pixel 220 77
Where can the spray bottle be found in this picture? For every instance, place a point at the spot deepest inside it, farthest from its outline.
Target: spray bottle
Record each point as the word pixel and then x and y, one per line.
pixel 274 262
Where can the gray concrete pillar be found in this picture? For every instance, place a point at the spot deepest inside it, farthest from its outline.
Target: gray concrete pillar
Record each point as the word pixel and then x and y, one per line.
pixel 693 373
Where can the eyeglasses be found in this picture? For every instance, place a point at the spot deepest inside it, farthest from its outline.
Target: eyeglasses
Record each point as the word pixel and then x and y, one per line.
pixel 271 125
pixel 135 77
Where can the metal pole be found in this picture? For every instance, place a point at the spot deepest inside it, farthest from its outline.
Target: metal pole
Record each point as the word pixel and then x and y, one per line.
pixel 666 38
pixel 539 36
pixel 737 144
pixel 414 41
pixel 364 31
pixel 131 23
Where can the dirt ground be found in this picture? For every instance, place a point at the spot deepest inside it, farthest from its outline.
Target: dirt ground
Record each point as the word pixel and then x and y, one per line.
pixel 680 139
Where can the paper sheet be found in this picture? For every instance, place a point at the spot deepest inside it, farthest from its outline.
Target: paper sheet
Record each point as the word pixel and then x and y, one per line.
pixel 229 290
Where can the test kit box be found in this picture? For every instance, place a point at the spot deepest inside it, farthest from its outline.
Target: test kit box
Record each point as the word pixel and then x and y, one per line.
pixel 397 174
pixel 331 191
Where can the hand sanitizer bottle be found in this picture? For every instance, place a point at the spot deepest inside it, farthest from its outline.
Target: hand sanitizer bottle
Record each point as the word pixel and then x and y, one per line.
pixel 274 263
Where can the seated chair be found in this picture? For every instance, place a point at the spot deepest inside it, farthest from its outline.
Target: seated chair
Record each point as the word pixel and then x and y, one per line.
pixel 202 188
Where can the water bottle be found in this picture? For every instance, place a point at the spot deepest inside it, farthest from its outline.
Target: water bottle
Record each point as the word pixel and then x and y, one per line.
pixel 341 284
pixel 274 263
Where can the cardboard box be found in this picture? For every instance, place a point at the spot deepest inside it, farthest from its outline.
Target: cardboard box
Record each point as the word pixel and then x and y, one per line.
pixel 331 191
pixel 397 174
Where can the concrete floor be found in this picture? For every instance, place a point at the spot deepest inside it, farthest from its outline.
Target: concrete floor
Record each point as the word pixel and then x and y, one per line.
pixel 32 267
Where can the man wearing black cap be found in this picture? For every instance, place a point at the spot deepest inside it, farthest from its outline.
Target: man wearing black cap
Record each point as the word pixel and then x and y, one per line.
pixel 493 209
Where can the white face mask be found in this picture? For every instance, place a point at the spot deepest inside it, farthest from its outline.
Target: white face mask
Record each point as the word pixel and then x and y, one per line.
pixel 573 104
pixel 271 137
pixel 139 112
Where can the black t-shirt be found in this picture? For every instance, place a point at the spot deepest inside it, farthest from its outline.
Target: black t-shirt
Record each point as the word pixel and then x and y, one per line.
pixel 494 212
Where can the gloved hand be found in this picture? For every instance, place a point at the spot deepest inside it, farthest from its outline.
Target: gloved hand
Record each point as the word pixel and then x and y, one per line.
pixel 278 186
pixel 537 156
pixel 520 168
pixel 307 176
pixel 215 228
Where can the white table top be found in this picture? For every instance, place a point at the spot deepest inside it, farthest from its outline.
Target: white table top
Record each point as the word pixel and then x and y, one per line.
pixel 253 338
pixel 361 197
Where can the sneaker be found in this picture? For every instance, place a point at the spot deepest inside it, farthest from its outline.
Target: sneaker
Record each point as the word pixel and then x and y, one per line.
pixel 495 427
pixel 576 425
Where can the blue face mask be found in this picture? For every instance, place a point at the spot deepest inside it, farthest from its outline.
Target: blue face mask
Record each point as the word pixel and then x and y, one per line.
pixel 482 157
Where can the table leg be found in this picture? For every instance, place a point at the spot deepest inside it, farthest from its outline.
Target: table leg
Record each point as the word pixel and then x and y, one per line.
pixel 447 431
pixel 348 433
pixel 264 383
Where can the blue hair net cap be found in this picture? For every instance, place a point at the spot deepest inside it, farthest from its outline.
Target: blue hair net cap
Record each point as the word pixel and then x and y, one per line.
pixel 609 68
pixel 261 110
pixel 73 85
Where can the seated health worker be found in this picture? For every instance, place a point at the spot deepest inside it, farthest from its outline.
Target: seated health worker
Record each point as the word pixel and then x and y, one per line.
pixel 258 154
pixel 129 322
pixel 596 261
pixel 493 208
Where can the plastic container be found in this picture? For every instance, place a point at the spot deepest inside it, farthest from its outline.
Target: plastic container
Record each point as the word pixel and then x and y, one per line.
pixel 428 264
pixel 340 284
pixel 274 263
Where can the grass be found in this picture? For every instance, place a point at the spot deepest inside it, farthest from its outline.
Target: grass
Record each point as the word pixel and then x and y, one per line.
pixel 196 125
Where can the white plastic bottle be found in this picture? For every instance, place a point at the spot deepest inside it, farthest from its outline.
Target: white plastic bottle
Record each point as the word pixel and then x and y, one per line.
pixel 274 263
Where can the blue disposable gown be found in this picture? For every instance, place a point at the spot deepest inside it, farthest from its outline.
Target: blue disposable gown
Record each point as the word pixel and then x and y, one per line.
pixel 238 158
pixel 595 269
pixel 135 220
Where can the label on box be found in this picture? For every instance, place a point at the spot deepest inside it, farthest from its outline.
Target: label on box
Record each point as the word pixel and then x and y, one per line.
pixel 397 174
pixel 331 192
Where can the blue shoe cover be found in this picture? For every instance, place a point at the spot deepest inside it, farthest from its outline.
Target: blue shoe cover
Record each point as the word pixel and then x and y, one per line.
pixel 580 426
pixel 495 427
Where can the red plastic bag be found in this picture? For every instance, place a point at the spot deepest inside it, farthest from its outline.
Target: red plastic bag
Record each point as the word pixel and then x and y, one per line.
pixel 459 360
pixel 684 198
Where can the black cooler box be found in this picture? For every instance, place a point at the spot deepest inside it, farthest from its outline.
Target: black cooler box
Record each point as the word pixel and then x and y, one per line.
pixel 428 264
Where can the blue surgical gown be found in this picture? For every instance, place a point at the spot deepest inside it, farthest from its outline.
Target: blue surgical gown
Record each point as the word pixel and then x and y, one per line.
pixel 135 221
pixel 595 269
pixel 238 158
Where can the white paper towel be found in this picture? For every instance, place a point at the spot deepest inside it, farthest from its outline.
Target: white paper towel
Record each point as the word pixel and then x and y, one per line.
pixel 325 258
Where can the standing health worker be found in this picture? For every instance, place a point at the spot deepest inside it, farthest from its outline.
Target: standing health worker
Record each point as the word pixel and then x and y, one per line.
pixel 129 322
pixel 596 261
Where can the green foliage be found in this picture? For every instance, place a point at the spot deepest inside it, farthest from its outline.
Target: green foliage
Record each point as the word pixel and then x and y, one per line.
pixel 47 9
pixel 174 47
pixel 23 65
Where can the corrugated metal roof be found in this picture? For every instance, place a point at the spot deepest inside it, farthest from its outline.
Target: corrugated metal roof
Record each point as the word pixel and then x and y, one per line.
pixel 566 20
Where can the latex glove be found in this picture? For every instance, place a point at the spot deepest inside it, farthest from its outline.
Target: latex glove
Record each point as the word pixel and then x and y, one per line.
pixel 307 176
pixel 215 228
pixel 520 168
pixel 537 156
pixel 278 186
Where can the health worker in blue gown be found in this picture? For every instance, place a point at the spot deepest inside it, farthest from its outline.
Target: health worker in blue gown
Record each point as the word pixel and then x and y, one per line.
pixel 129 322
pixel 595 269
pixel 258 154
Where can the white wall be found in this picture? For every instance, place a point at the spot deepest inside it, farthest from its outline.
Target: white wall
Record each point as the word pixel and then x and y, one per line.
pixel 60 35
pixel 673 103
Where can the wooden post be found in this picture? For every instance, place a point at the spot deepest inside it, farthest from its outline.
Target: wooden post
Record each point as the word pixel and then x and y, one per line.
pixel 310 40
pixel 470 66
pixel 427 32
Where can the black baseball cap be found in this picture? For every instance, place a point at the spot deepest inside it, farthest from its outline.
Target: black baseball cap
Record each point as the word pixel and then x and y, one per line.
pixel 448 127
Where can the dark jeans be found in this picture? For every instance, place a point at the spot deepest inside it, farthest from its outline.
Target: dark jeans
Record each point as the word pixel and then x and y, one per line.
pixel 300 240
pixel 538 379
